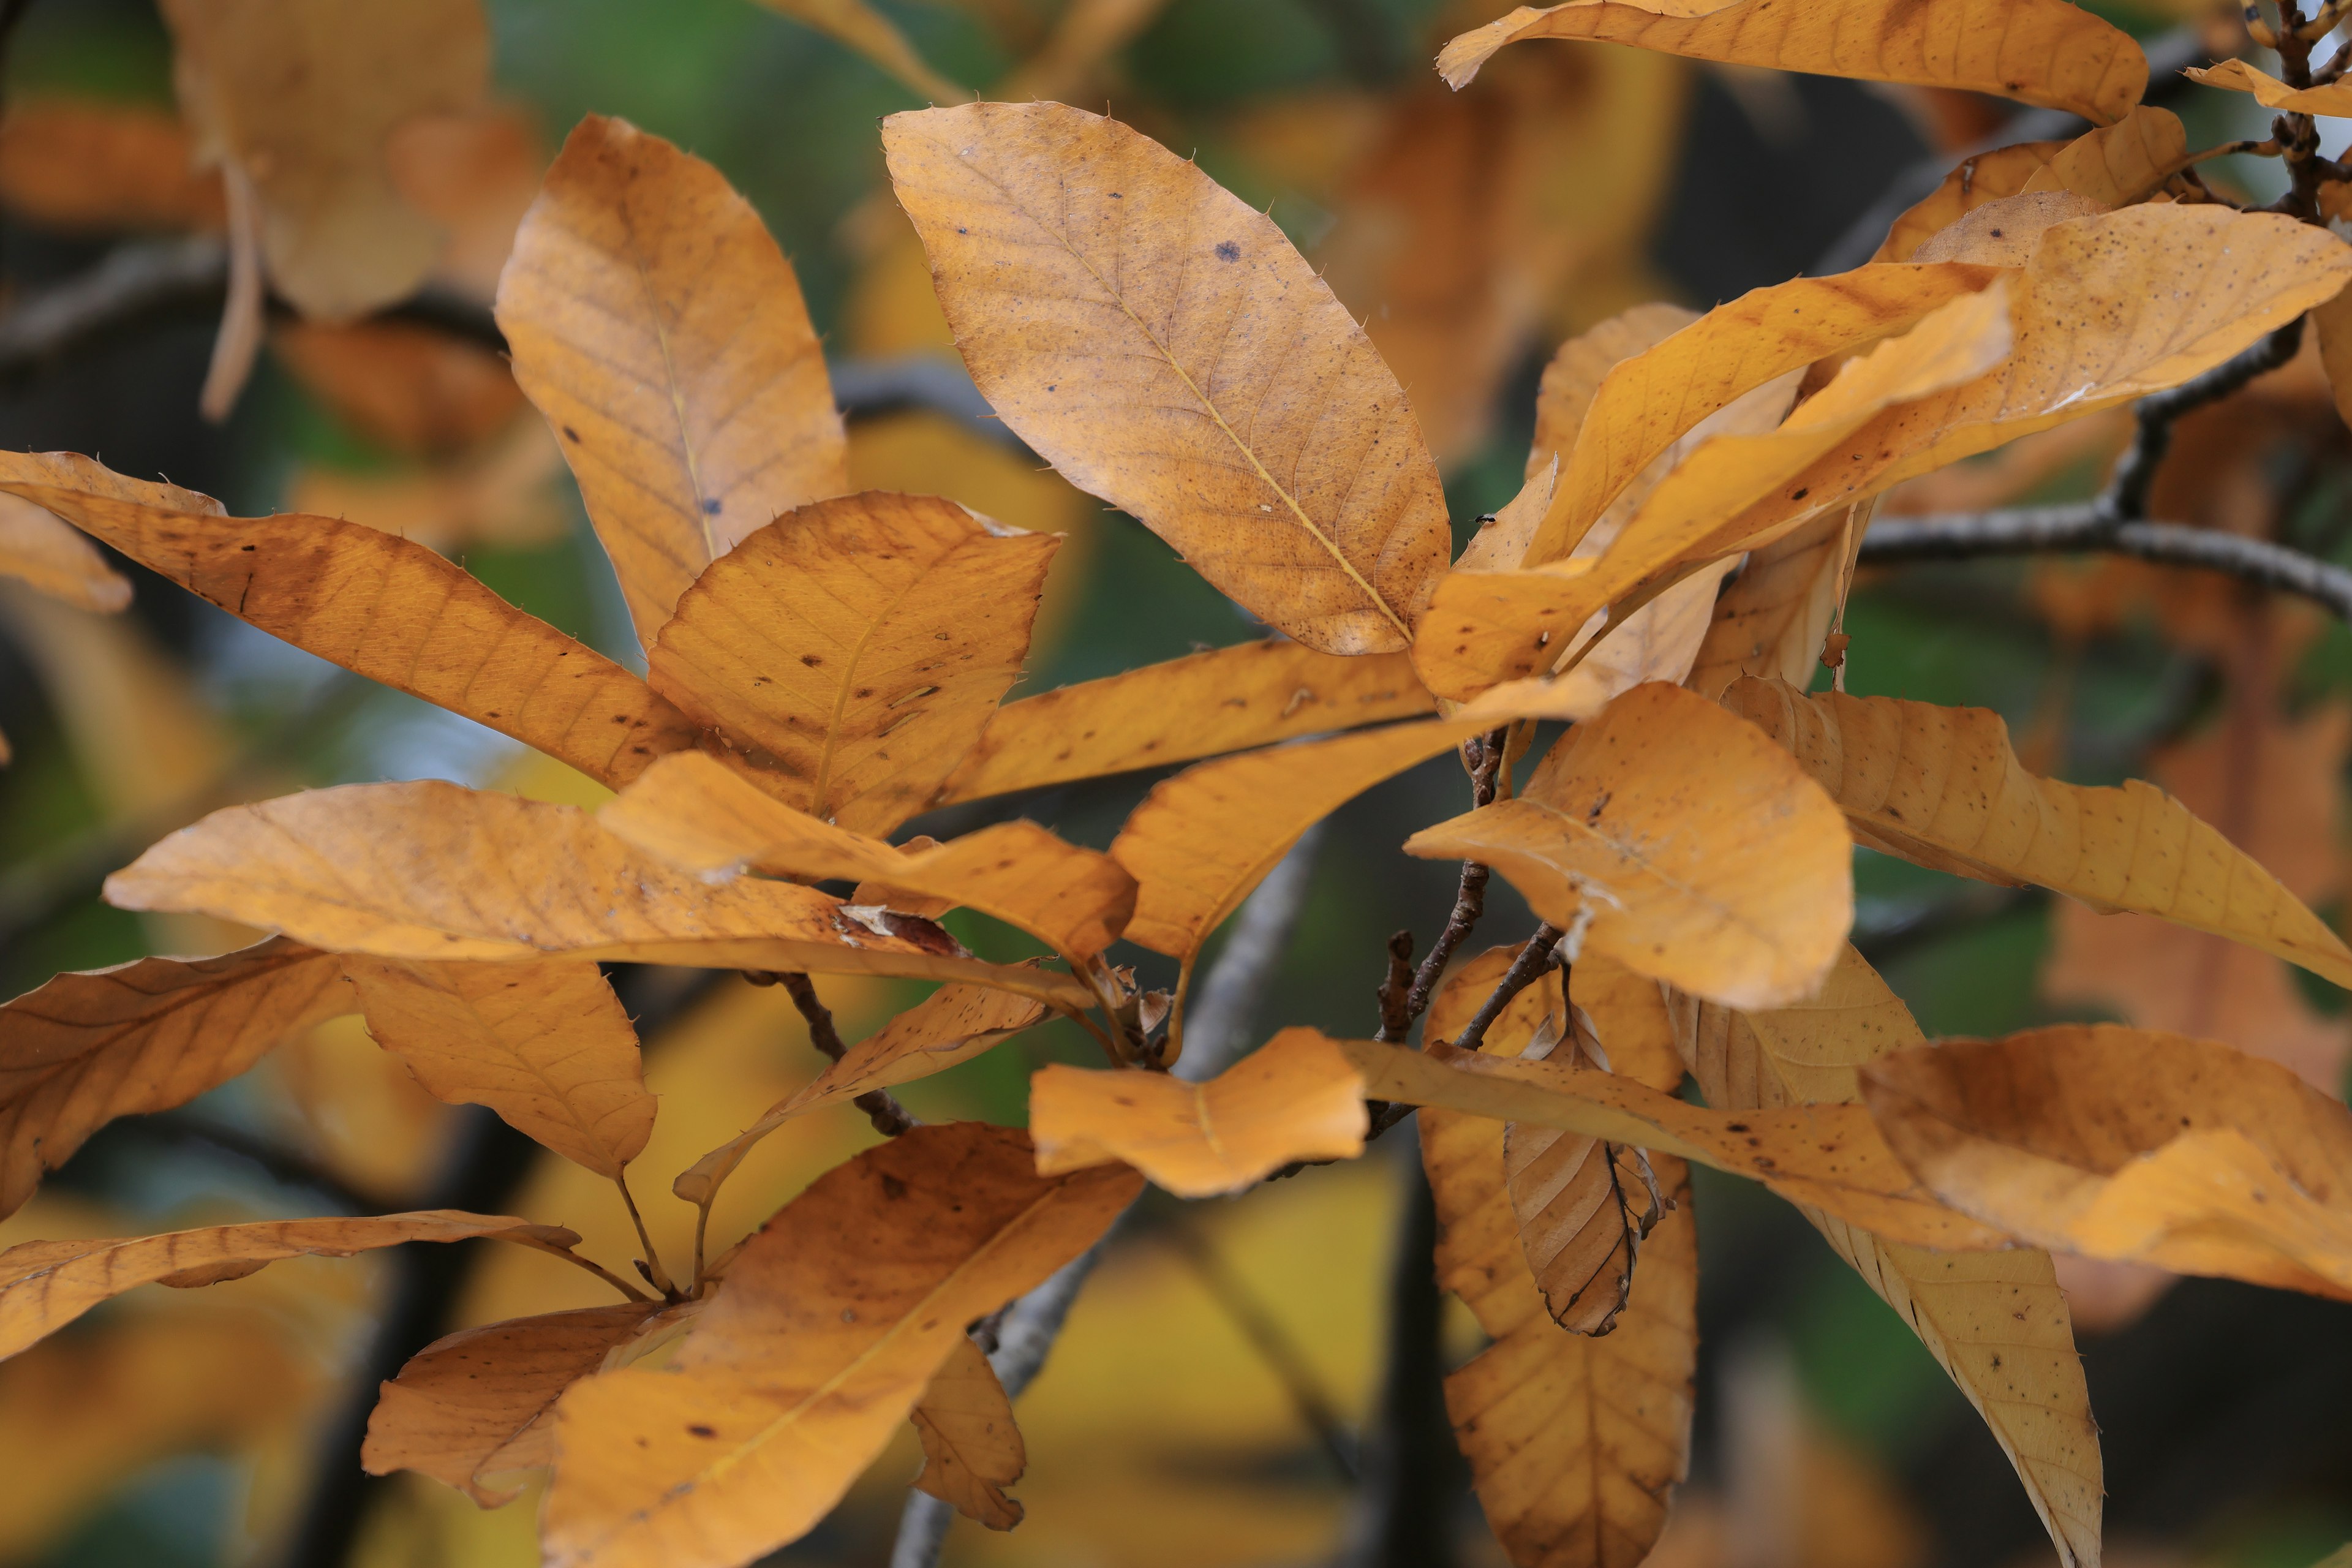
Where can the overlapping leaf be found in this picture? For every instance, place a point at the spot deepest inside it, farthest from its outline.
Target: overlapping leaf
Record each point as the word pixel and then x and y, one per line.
pixel 37 549
pixel 972 1448
pixel 1163 344
pixel 2331 98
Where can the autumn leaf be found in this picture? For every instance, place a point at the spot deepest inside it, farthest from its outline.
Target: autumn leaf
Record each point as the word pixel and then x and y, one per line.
pixel 2131 1145
pixel 1775 617
pixel 1629 1017
pixel 85 165
pixel 654 322
pixel 543 1044
pixel 953 1025
pixel 1293 1098
pixel 467 1407
pixel 695 813
pixel 1676 843
pixel 1226 699
pixel 2117 164
pixel 301 98
pixel 972 1448
pixel 1584 1207
pixel 2331 98
pixel 825 1333
pixel 1191 370
pixel 414 390
pixel 378 605
pixel 2042 51
pixel 141 1037
pixel 2008 232
pixel 44 1285
pixel 862 643
pixel 1997 1323
pixel 1975 180
pixel 871 34
pixel 1940 787
pixel 433 873
pixel 38 549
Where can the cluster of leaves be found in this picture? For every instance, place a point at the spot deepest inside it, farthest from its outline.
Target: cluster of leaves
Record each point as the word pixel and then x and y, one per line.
pixel 823 666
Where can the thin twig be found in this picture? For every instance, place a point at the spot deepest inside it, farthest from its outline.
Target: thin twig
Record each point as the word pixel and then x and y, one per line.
pixel 881 1107
pixel 1541 952
pixel 1486 755
pixel 2126 500
pixel 656 1275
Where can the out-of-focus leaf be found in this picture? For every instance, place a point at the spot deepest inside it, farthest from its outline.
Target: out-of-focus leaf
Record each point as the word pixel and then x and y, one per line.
pixel 823 1335
pixel 2331 98
pixel 862 643
pixel 2131 1145
pixel 415 390
pixel 475 174
pixel 1940 787
pixel 1675 843
pixel 1245 418
pixel 502 495
pixel 972 1448
pixel 1083 38
pixel 146 1036
pixel 954 1024
pixel 1227 700
pixel 467 1406
pixel 697 814
pixel 300 99
pixel 655 322
pixel 378 605
pixel 432 871
pixel 37 548
pixel 1294 1098
pixel 2042 51
pixel 75 164
pixel 44 1285
pixel 543 1044
pixel 866 30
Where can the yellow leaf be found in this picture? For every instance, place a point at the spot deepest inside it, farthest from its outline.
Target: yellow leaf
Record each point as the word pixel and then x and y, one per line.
pixel 824 1334
pixel 1202 839
pixel 1773 620
pixel 692 812
pixel 2237 76
pixel 413 389
pixel 475 174
pixel 90 164
pixel 1975 180
pixel 1831 1156
pixel 378 605
pixel 2006 232
pixel 468 1405
pixel 972 1449
pixel 2131 1145
pixel 431 871
pixel 862 642
pixel 1084 39
pixel 1940 787
pixel 1227 700
pixel 654 322
pixel 953 1025
pixel 301 99
pixel 37 548
pixel 1192 370
pixel 1628 1012
pixel 1997 1323
pixel 141 1036
pixel 1677 845
pixel 1572 379
pixel 2041 51
pixel 502 494
pixel 2118 165
pixel 871 34
pixel 44 1285
pixel 1294 1098
pixel 543 1044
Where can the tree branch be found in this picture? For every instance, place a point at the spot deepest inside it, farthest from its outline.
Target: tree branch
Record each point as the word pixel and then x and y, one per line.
pixel 1539 954
pixel 881 1107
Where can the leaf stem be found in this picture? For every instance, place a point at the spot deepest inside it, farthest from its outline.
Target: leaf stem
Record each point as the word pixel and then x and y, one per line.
pixel 590 1264
pixel 1533 959
pixel 654 1272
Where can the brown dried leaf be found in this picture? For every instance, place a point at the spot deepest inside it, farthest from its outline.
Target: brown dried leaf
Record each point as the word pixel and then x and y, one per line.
pixel 1294 1098
pixel 2333 99
pixel 1628 1014
pixel 38 549
pixel 972 1448
pixel 141 1036
pixel 862 643
pixel 830 1324
pixel 2118 165
pixel 1190 357
pixel 415 390
pixel 1774 619
pixel 77 163
pixel 654 322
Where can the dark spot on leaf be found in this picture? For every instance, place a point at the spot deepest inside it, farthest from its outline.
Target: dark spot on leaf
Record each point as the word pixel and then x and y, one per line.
pixel 1228 251
pixel 812 660
pixel 892 1187
pixel 570 434
pixel 699 1430
pixel 1802 493
pixel 710 508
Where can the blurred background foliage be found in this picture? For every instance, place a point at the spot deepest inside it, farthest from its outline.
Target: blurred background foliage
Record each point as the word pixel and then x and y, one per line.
pixel 1207 1405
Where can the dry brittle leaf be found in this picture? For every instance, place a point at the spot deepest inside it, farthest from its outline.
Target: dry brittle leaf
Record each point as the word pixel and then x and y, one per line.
pixel 1975 180
pixel 1192 370
pixel 862 643
pixel 1226 699
pixel 1774 619
pixel 2117 164
pixel 1294 1098
pixel 2007 232
pixel 456 1410
pixel 861 28
pixel 953 1025
pixel 378 605
pixel 829 1325
pixel 2042 51
pixel 972 1448
pixel 1941 788
pixel 1676 845
pixel 415 390
pixel 475 174
pixel 37 548
pixel 300 99
pixel 655 322
pixel 1628 1014
pixel 432 871
pixel 2131 1145
pixel 543 1044
pixel 2237 76
pixel 694 813
pixel 1572 378
pixel 44 1285
pixel 141 1036
pixel 1997 1322
pixel 75 164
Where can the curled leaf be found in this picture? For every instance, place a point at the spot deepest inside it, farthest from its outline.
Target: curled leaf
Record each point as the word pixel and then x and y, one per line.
pixel 972 1448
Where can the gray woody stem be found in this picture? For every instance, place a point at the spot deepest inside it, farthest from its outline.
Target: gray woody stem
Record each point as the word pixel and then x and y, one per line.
pixel 1229 997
